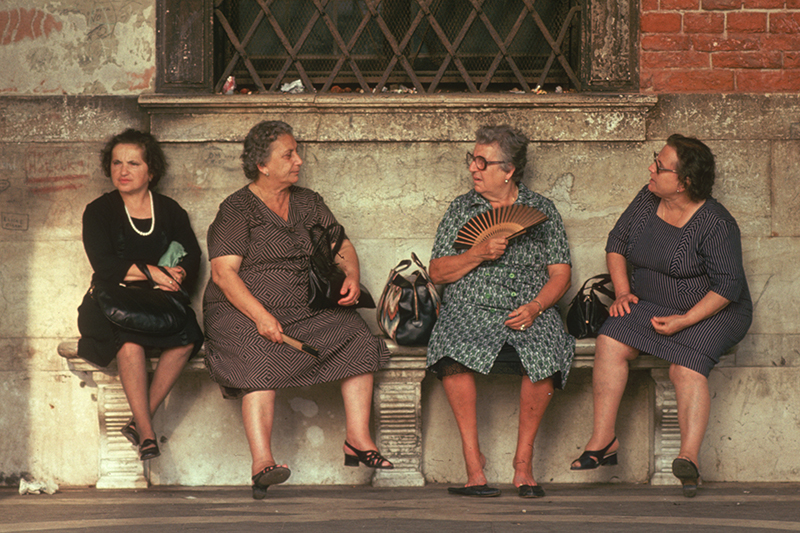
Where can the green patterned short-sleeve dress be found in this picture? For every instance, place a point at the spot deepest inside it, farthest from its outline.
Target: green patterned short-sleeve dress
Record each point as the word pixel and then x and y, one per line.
pixel 470 329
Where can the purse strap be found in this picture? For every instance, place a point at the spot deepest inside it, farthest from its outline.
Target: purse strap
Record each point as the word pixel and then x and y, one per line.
pixel 601 285
pixel 324 236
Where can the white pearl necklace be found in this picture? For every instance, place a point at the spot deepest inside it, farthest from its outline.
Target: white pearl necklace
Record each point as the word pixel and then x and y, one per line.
pixel 152 220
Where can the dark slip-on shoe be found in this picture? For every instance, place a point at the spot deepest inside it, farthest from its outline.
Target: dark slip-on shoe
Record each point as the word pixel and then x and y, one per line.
pixel 481 491
pixel 687 472
pixel 531 491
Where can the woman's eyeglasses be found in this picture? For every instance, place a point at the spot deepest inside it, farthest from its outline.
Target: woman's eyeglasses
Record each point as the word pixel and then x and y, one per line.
pixel 480 162
pixel 659 168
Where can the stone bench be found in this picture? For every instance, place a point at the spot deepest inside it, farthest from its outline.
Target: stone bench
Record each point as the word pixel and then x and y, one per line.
pixel 397 415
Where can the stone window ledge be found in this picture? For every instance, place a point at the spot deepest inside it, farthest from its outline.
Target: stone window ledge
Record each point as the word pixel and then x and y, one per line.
pixel 401 118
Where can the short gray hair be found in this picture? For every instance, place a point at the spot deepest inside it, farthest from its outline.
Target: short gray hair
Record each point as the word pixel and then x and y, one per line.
pixel 513 147
pixel 258 145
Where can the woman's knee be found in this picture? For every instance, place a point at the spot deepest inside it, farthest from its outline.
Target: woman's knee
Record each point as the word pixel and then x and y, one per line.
pixel 680 375
pixel 609 349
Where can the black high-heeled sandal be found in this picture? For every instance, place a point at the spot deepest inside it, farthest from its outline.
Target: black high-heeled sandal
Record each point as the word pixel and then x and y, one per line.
pixel 591 459
pixel 130 433
pixel 370 458
pixel 149 450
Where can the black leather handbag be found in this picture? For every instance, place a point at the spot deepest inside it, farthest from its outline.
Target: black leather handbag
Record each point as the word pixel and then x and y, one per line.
pixel 325 278
pixel 587 312
pixel 409 306
pixel 140 307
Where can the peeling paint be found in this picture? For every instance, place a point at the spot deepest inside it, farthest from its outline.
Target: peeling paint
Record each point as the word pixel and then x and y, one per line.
pixel 17 24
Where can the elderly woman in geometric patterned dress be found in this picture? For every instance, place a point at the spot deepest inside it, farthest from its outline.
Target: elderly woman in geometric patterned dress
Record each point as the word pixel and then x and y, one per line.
pixel 259 246
pixel 498 313
pixel 686 300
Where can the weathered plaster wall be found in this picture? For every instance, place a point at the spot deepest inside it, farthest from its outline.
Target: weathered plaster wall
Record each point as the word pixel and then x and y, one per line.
pixel 77 47
pixel 390 190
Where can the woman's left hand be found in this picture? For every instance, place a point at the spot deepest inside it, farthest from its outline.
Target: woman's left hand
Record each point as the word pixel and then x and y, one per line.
pixel 522 317
pixel 669 325
pixel 350 292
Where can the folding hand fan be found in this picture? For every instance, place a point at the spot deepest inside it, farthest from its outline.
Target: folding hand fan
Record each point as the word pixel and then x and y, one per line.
pixel 510 221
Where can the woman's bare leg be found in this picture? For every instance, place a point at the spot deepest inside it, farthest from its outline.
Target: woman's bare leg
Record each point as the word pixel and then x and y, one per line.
pixel 533 401
pixel 357 396
pixel 462 395
pixel 258 414
pixel 609 378
pixel 694 405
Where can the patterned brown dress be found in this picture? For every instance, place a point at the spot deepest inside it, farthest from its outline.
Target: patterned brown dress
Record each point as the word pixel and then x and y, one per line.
pixel 274 268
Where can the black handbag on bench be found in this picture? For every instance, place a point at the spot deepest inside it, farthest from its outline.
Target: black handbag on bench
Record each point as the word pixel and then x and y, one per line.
pixel 140 307
pixel 587 312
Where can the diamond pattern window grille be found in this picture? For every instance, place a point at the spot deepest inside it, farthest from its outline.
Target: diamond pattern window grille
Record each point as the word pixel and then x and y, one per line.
pixel 430 45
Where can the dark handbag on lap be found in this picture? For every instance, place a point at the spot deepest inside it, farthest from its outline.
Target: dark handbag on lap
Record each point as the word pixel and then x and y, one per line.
pixel 587 312
pixel 325 278
pixel 140 307
pixel 409 306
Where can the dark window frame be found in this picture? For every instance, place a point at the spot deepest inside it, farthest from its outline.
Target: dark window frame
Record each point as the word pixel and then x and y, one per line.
pixel 185 46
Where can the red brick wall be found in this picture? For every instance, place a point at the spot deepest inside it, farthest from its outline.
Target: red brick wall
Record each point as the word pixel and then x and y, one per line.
pixel 750 46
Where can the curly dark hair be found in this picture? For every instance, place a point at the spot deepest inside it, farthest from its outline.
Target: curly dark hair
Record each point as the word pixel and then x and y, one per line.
pixel 151 153
pixel 696 167
pixel 258 145
pixel 513 147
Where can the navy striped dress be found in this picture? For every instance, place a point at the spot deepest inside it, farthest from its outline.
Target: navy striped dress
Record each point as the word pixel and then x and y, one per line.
pixel 674 268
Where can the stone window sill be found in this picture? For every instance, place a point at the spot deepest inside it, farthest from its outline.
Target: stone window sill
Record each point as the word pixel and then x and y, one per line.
pixel 401 118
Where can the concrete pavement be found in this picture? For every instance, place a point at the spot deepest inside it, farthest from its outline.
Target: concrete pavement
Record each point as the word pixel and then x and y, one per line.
pixel 718 507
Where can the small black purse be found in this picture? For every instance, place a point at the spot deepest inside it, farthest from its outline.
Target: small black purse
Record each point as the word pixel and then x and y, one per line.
pixel 141 308
pixel 325 278
pixel 587 312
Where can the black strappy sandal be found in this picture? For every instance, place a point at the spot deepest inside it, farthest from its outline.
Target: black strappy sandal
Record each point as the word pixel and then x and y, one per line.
pixel 149 450
pixel 130 433
pixel 591 459
pixel 370 458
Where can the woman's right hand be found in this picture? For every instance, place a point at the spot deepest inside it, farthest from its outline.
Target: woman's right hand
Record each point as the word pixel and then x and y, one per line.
pixel 490 249
pixel 269 328
pixel 622 305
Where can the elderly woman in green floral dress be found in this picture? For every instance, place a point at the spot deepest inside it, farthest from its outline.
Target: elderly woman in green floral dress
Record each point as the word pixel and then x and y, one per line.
pixel 498 313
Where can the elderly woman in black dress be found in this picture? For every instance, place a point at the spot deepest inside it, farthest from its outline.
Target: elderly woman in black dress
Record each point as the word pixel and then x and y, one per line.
pixel 259 245
pixel 498 312
pixel 686 300
pixel 124 228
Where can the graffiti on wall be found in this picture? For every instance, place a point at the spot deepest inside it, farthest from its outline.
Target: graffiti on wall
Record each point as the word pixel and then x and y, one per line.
pixel 50 170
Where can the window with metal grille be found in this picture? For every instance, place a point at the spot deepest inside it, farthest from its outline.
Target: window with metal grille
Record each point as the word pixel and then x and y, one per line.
pixel 424 46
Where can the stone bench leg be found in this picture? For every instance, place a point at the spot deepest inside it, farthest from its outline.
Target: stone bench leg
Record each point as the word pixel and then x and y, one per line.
pixel 667 433
pixel 398 422
pixel 120 467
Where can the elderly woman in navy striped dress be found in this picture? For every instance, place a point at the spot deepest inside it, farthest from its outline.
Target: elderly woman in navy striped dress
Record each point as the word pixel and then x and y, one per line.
pixel 686 300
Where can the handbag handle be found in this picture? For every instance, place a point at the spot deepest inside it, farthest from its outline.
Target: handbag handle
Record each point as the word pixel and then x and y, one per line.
pixel 600 285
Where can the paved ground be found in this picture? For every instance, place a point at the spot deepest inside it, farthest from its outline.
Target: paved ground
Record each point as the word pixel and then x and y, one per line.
pixel 574 508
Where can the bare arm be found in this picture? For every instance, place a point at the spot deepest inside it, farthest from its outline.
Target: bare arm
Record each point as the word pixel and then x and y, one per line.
pixel 711 304
pixel 450 268
pixel 347 259
pixel 618 269
pixel 560 280
pixel 225 273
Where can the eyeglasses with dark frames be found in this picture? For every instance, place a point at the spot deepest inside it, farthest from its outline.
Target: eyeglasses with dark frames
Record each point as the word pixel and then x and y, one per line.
pixel 659 168
pixel 480 162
